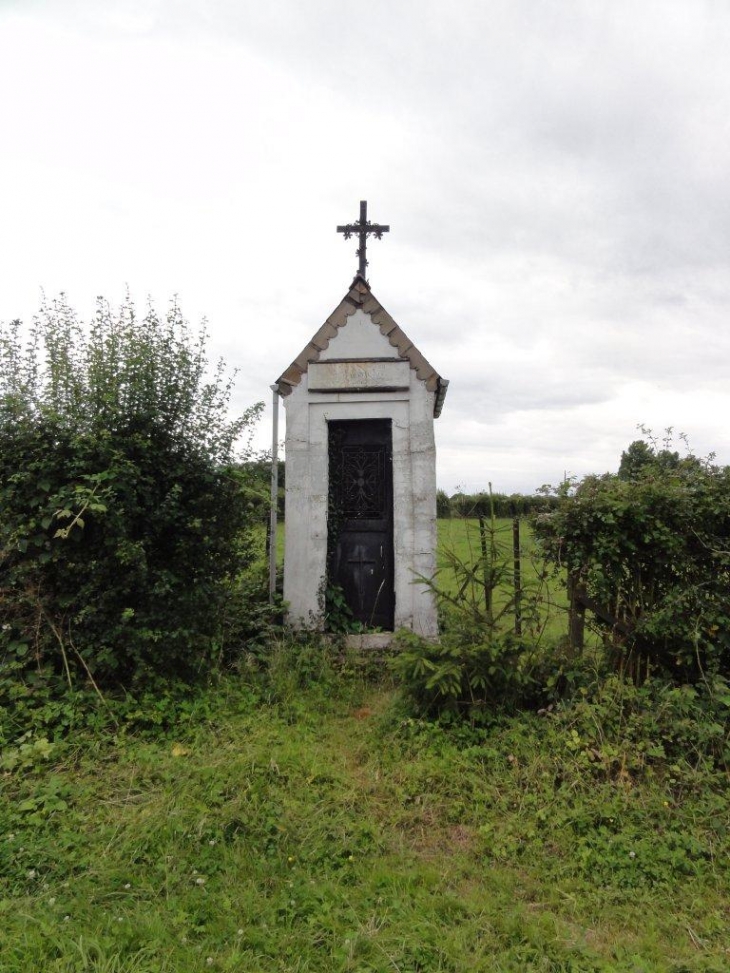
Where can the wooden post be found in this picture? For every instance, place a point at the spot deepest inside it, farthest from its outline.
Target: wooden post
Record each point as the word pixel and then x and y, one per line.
pixel 487 569
pixel 274 493
pixel 517 574
pixel 577 613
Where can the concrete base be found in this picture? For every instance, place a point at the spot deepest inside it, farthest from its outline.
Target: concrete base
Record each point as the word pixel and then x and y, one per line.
pixel 369 641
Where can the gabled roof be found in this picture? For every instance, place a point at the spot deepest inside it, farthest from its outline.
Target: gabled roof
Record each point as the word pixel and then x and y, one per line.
pixel 360 296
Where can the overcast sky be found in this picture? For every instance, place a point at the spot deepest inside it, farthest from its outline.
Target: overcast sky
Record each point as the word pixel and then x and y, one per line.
pixel 556 176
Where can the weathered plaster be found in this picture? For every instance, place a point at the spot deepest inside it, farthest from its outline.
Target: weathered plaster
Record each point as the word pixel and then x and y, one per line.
pixel 356 375
pixel 358 339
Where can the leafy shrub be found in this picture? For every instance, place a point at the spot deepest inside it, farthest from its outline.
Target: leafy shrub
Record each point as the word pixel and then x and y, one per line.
pixel 250 622
pixel 464 677
pixel 652 545
pixel 617 730
pixel 443 504
pixel 124 514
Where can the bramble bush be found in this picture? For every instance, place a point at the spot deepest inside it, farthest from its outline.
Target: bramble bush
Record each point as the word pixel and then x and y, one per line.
pixel 652 545
pixel 124 513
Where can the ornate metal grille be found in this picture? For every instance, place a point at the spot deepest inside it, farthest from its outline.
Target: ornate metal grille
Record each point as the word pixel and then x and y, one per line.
pixel 362 482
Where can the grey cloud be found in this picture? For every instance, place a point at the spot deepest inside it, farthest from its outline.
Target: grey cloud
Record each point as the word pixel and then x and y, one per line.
pixel 555 176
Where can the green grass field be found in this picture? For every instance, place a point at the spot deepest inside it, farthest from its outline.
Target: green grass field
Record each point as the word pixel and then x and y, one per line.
pixel 322 829
pixel 461 540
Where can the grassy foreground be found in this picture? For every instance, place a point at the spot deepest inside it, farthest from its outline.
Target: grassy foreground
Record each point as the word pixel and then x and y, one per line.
pixel 323 829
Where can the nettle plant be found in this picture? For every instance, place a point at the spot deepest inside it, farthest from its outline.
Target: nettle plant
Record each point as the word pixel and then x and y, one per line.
pixel 652 545
pixel 123 512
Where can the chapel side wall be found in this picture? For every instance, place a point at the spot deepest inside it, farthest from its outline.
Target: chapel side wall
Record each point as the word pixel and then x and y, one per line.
pixel 422 450
pixel 304 546
pixel 403 532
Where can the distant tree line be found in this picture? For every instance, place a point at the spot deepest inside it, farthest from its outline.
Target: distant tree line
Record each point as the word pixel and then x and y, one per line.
pixel 258 473
pixel 483 504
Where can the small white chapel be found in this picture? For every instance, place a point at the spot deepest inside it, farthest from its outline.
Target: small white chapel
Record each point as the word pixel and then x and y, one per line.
pixel 360 403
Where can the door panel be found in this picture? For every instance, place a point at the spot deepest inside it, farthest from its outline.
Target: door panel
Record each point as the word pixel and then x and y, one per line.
pixel 360 538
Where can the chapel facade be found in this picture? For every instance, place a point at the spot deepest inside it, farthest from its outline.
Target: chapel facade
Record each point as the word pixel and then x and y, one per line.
pixel 360 404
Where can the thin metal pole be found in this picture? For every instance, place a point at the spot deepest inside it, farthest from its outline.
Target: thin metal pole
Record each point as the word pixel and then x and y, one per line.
pixel 517 572
pixel 274 493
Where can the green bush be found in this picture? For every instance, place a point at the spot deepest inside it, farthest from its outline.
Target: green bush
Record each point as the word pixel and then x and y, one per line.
pixel 652 545
pixel 621 729
pixel 250 622
pixel 463 677
pixel 123 512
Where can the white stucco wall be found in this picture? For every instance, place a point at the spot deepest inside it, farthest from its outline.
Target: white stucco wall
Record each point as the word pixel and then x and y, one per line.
pixel 359 338
pixel 414 481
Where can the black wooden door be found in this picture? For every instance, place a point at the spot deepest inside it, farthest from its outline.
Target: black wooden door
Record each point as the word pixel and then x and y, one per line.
pixel 360 542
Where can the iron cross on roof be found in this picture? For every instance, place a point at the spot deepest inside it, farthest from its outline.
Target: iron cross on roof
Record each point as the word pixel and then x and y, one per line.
pixel 362 228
